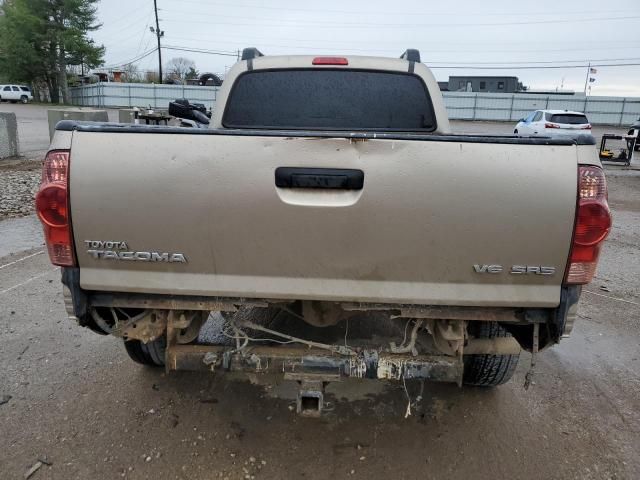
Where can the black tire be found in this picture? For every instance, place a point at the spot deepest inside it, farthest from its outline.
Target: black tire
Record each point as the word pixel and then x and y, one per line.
pixel 151 353
pixel 24 99
pixel 488 370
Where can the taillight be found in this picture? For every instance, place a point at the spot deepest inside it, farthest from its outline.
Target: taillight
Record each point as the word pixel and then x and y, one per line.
pixel 52 207
pixel 551 125
pixel 593 222
pixel 330 61
pixel 587 127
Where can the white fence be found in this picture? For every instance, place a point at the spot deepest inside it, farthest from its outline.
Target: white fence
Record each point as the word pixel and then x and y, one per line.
pixel 139 95
pixel 514 106
pixel 460 105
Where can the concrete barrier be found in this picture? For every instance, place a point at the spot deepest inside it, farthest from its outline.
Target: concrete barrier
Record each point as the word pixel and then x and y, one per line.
pixel 9 145
pixel 83 114
pixel 126 115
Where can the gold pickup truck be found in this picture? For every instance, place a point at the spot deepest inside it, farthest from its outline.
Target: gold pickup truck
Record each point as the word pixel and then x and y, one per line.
pixel 334 221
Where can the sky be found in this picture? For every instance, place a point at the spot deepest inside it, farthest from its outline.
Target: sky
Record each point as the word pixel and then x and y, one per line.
pixel 461 37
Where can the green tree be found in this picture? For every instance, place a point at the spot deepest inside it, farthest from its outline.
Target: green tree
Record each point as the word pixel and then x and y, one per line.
pixel 21 43
pixel 192 74
pixel 40 39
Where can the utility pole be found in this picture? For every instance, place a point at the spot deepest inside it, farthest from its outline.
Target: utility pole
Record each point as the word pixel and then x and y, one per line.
pixel 159 34
pixel 586 80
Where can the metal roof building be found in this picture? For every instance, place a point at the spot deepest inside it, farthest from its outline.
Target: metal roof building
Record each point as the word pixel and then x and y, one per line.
pixel 485 84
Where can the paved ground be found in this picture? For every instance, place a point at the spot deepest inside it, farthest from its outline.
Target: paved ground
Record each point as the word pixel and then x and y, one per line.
pixel 75 400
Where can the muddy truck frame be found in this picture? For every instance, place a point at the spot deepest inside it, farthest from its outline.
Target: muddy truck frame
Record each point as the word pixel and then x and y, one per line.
pixel 328 225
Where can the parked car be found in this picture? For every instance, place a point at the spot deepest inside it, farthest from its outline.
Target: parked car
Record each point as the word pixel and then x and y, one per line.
pixel 15 94
pixel 306 205
pixel 553 123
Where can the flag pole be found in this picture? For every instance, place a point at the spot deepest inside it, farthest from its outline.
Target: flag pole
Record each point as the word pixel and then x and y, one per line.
pixel 586 80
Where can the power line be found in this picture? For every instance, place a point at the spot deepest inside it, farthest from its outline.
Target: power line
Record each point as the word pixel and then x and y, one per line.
pixel 528 67
pixel 387 13
pixel 194 50
pixel 144 32
pixel 457 65
pixel 129 62
pixel 304 24
pixel 430 51
pixel 123 40
pixel 492 63
pixel 129 25
pixel 402 43
pixel 545 62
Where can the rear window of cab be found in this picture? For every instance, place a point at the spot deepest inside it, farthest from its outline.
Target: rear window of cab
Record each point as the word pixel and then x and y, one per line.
pixel 329 99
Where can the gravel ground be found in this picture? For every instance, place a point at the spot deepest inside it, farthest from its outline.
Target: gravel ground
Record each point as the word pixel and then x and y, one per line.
pixel 18 186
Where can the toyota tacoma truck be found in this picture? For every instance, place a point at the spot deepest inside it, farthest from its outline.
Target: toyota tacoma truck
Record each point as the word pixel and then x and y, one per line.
pixel 328 224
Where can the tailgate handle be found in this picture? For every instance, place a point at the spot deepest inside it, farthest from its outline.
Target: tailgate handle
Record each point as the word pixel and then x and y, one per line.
pixel 326 178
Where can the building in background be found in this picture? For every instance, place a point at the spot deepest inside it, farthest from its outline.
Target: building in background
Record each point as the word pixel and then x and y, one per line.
pixel 485 84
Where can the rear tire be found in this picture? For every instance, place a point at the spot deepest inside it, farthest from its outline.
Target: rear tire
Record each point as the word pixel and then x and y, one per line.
pixel 150 353
pixel 488 370
pixel 24 99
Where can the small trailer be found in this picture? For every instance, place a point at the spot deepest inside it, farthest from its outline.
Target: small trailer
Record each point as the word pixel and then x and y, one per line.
pixel 622 153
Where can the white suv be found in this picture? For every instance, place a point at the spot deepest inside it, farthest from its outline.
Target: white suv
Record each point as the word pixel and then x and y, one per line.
pixel 15 93
pixel 553 123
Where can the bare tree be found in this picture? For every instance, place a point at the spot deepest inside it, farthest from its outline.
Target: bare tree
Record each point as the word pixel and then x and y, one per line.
pixel 151 76
pixel 179 67
pixel 131 72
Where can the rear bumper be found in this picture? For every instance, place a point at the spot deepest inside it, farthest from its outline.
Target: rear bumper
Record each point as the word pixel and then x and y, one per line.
pixel 560 318
pixel 564 133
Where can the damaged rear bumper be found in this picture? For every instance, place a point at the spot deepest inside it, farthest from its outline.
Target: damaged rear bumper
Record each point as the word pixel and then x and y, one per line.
pixel 294 363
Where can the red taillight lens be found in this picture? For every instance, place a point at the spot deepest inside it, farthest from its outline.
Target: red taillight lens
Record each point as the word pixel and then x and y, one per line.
pixel 551 125
pixel 330 61
pixel 593 223
pixel 52 207
pixel 586 127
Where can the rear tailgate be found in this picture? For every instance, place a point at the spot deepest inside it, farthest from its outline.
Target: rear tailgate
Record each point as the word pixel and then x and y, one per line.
pixel 430 218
